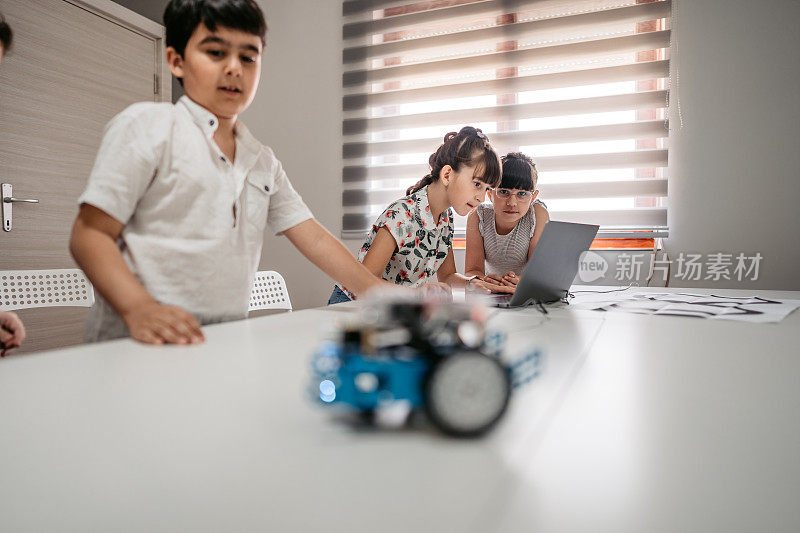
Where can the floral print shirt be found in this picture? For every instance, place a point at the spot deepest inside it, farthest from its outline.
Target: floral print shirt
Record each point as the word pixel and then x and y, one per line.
pixel 422 244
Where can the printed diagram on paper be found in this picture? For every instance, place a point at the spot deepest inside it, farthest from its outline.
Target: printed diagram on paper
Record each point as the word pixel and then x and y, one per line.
pixel 745 309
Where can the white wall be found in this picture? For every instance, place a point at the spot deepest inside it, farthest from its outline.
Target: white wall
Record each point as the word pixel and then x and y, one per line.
pixel 734 166
pixel 297 112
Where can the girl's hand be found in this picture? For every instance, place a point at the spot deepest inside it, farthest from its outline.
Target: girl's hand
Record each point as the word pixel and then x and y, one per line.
pixel 492 279
pixel 488 287
pixel 436 289
pixel 510 279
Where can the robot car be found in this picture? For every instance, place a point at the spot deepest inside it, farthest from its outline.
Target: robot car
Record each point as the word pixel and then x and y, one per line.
pixel 426 354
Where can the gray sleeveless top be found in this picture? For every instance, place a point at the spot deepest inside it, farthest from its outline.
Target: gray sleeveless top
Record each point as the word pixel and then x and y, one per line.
pixel 506 252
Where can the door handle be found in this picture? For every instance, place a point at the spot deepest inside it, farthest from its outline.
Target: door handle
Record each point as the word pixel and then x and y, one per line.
pixel 8 200
pixel 11 199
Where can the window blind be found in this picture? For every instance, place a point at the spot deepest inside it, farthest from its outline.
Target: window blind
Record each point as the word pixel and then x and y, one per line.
pixel 581 86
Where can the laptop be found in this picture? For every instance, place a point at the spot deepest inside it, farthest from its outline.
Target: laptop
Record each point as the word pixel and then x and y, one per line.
pixel 552 267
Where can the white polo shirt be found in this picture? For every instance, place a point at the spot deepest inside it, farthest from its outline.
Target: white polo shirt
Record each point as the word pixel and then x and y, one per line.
pixel 193 221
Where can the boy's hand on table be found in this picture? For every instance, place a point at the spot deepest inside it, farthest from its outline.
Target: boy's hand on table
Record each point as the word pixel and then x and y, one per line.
pixel 155 323
pixel 12 332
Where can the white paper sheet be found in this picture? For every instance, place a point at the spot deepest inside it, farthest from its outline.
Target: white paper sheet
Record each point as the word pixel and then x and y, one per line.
pixel 744 309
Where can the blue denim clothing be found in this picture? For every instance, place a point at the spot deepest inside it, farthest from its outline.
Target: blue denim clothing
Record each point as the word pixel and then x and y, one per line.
pixel 338 296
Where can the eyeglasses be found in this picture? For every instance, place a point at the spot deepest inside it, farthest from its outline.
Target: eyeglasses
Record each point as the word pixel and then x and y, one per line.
pixel 506 193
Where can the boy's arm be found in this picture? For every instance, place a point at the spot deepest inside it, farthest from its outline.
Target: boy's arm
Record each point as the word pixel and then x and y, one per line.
pixel 330 255
pixel 93 245
pixel 475 256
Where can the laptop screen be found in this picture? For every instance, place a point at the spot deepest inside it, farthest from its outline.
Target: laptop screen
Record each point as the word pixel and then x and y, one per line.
pixel 554 263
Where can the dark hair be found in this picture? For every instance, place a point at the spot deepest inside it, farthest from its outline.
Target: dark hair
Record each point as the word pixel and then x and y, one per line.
pixel 181 18
pixel 519 172
pixel 467 147
pixel 6 35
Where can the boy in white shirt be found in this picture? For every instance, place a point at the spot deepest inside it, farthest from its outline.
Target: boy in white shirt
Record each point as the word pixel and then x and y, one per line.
pixel 171 223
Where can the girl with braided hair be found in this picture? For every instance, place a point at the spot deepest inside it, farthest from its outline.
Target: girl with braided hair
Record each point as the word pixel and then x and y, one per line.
pixel 411 241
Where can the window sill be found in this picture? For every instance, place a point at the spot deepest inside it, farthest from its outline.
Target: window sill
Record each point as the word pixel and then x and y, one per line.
pixel 600 243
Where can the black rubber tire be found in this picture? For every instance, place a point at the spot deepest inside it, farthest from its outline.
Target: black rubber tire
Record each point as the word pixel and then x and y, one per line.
pixel 466 393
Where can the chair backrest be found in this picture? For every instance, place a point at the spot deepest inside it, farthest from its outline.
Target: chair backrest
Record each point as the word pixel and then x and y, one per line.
pixel 269 292
pixel 22 289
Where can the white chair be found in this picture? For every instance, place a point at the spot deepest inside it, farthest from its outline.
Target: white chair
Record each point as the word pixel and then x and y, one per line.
pixel 23 289
pixel 269 292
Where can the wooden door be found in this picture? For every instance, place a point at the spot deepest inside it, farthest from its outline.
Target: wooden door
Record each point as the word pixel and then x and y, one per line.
pixel 72 67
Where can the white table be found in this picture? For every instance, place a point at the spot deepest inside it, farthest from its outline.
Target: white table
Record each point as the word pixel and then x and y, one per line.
pixel 638 423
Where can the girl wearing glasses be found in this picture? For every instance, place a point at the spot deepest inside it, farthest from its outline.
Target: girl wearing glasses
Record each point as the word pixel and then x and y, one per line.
pixel 501 236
